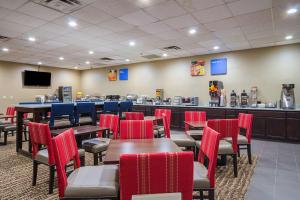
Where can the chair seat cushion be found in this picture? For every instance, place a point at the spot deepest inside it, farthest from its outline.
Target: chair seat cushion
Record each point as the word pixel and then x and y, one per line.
pixel 201 180
pixel 183 140
pixel 241 139
pixel 42 155
pixel 93 182
pixel 63 123
pixel 225 147
pixel 85 120
pixel 96 145
pixel 195 132
pixel 10 128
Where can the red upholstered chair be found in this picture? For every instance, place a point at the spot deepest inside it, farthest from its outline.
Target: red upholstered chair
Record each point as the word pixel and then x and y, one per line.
pixel 159 130
pixel 204 177
pixel 194 116
pixel 40 136
pixel 136 129
pixel 244 139
pixel 156 173
pixel 227 128
pixel 90 182
pixel 134 115
pixel 97 146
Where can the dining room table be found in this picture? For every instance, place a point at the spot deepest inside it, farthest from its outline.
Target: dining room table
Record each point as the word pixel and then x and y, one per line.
pixel 6 116
pixel 81 132
pixel 197 127
pixel 136 146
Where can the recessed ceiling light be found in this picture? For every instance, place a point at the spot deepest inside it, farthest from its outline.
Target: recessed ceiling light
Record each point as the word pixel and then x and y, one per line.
pixel 216 47
pixel 61 58
pixel 72 23
pixel 75 67
pixel 192 31
pixel 132 43
pixel 292 11
pixel 127 60
pixel 165 55
pixel 91 52
pixel 5 49
pixel 39 63
pixel 288 37
pixel 31 39
pixel 87 62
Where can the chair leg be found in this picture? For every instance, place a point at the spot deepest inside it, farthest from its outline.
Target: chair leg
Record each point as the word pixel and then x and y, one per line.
pixel 211 194
pixel 201 194
pixel 249 153
pixel 34 172
pixel 5 138
pixel 95 158
pixel 239 151
pixel 100 157
pixel 82 160
pixel 235 170
pixel 51 178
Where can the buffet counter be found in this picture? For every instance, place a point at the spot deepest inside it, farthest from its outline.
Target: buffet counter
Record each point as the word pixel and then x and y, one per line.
pixel 268 123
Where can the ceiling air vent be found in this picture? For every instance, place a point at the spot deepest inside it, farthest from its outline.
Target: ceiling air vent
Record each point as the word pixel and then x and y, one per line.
pixel 170 48
pixel 3 38
pixel 64 6
pixel 151 56
pixel 106 59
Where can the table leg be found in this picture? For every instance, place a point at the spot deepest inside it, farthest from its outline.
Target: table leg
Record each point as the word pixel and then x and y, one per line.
pixel 19 135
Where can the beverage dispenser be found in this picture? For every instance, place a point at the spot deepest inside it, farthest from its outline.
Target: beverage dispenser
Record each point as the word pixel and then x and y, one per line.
pixel 215 88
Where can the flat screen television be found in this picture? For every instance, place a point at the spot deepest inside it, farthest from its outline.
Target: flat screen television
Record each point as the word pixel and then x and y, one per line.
pixel 33 78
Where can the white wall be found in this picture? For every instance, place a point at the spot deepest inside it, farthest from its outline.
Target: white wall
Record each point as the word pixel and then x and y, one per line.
pixel 13 91
pixel 266 68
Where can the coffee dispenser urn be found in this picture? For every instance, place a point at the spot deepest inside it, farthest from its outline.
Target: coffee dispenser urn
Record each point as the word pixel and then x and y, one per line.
pixel 215 88
pixel 287 100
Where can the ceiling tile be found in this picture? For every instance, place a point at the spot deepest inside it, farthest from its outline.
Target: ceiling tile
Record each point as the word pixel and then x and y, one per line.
pixel 12 4
pixel 199 4
pixel 156 27
pixel 138 18
pixel 212 14
pixel 10 29
pixel 259 17
pixel 229 33
pixel 116 25
pixel 170 35
pixel 4 12
pixel 146 3
pixel 20 18
pixel 39 11
pixel 181 21
pixel 222 24
pixel 246 6
pixel 116 8
pixel 92 15
pixel 95 31
pixel 165 10
pixel 63 21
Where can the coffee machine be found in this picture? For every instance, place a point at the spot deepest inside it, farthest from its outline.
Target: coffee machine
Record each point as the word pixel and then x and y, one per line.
pixel 215 88
pixel 287 100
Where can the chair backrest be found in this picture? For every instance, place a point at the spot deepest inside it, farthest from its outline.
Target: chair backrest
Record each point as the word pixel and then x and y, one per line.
pixel 245 122
pixel 109 121
pixel 65 150
pixel 194 116
pixel 209 149
pixel 156 173
pixel 126 106
pixel 167 129
pixel 134 115
pixel 136 129
pixel 87 108
pixel 10 110
pixel 227 128
pixel 62 109
pixel 111 106
pixel 160 112
pixel 40 135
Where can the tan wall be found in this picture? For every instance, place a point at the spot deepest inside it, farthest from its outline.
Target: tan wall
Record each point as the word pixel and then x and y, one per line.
pixel 13 91
pixel 266 68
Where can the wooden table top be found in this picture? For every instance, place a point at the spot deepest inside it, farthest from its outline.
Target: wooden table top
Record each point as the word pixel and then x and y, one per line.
pixel 196 124
pixel 134 146
pixel 80 130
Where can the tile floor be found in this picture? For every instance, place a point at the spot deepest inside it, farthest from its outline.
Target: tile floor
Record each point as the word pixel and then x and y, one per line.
pixel 277 173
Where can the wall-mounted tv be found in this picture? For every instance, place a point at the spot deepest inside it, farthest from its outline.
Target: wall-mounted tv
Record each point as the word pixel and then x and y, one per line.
pixel 33 78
